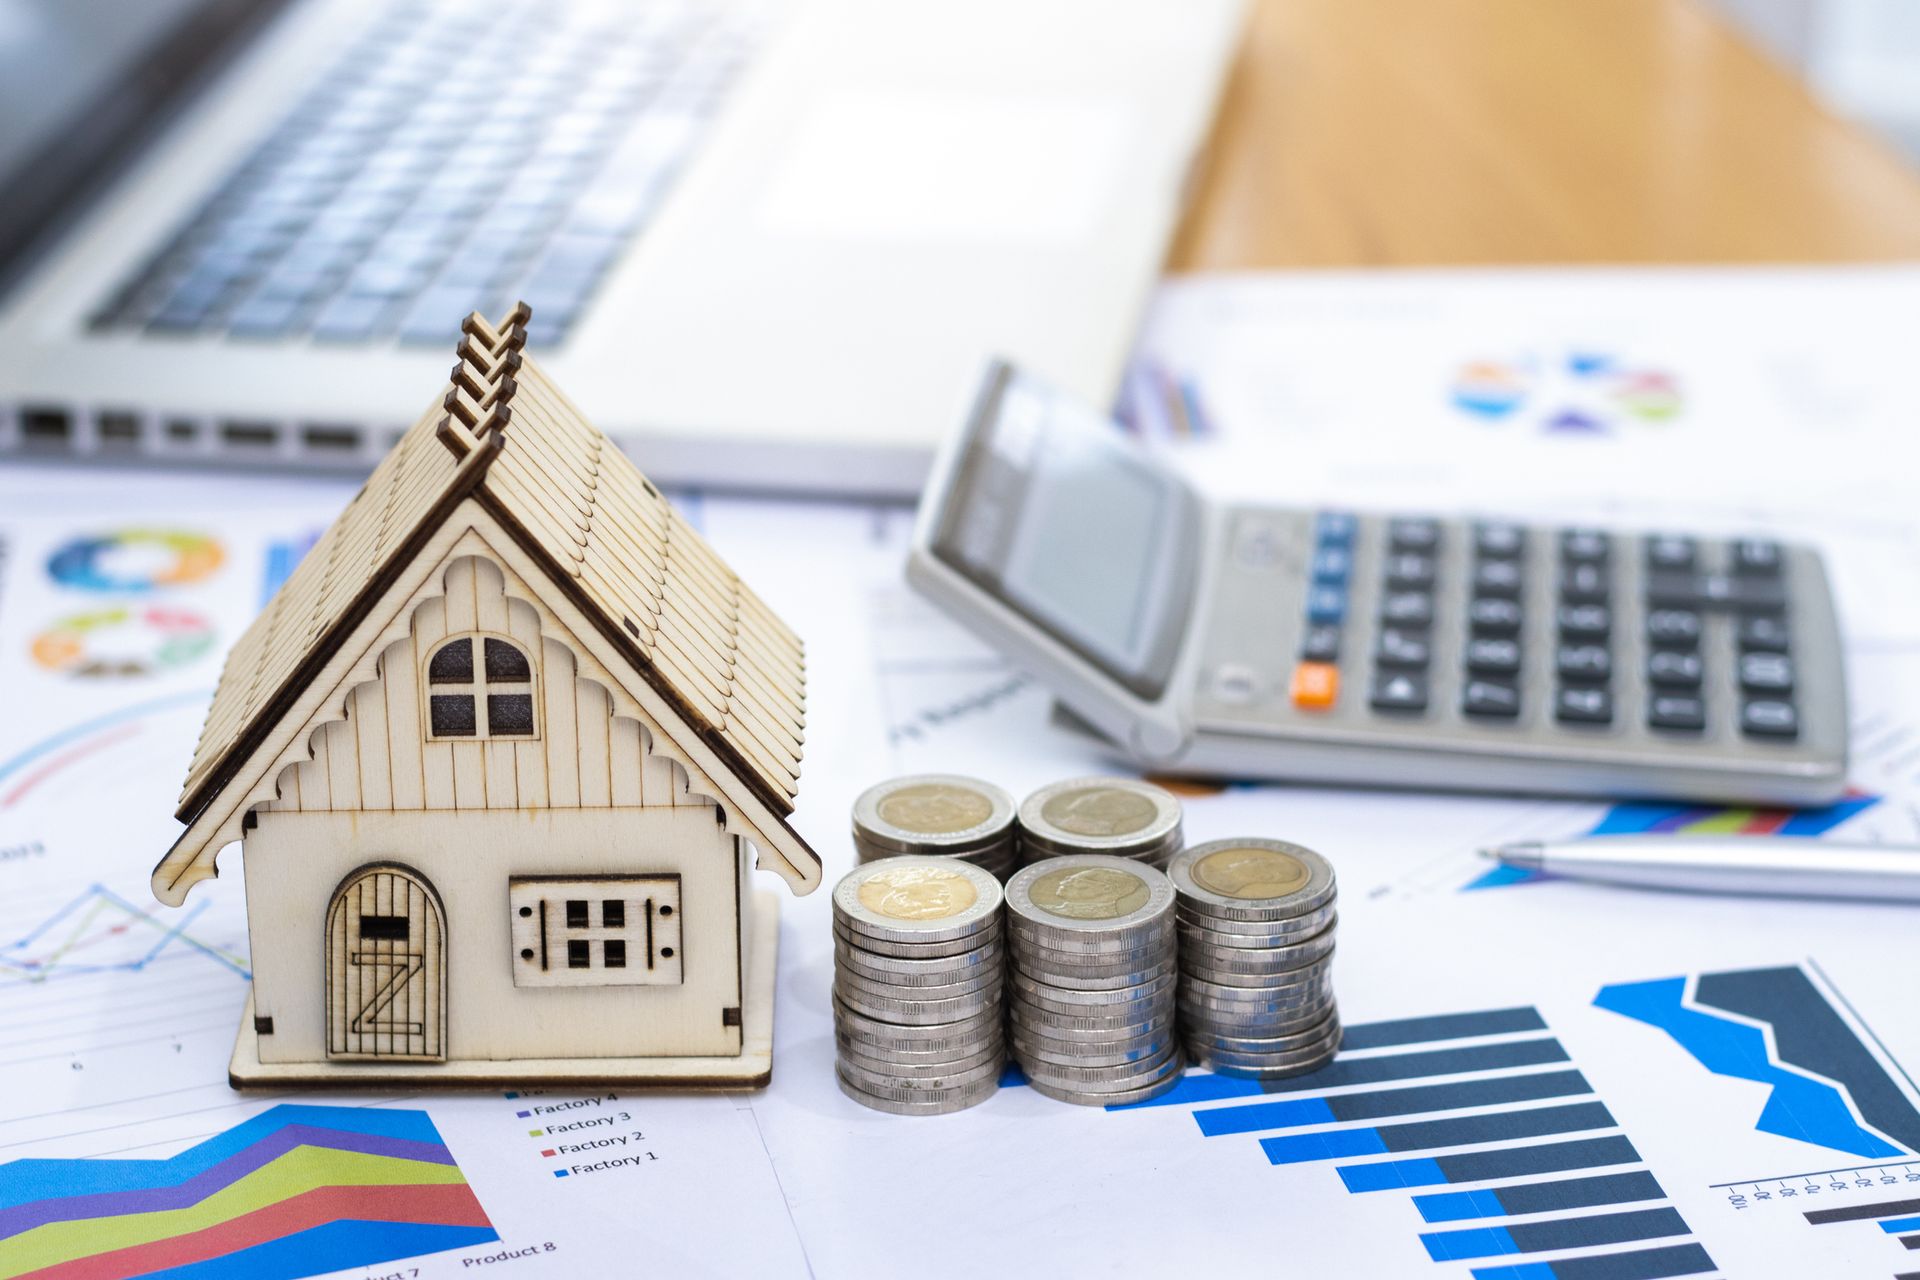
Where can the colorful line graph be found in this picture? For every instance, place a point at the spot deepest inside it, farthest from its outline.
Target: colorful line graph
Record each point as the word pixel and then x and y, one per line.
pixel 1818 1070
pixel 1635 818
pixel 295 1191
pixel 99 931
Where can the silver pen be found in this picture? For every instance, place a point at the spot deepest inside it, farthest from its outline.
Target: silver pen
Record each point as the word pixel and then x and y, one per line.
pixel 1770 865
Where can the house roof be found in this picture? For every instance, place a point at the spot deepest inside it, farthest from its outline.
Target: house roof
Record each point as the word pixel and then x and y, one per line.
pixel 506 435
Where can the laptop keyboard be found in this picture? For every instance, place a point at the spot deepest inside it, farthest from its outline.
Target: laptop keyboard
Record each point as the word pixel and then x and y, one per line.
pixel 460 155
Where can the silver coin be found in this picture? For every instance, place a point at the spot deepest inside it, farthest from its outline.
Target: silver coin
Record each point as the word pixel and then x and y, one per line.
pixel 1091 945
pixel 1081 1054
pixel 1255 965
pixel 1086 894
pixel 910 898
pixel 1323 1024
pixel 1253 933
pixel 1079 1000
pixel 1254 1024
pixel 1252 879
pixel 1113 1097
pixel 888 1037
pixel 920 973
pixel 944 1102
pixel 845 979
pixel 1084 1077
pixel 902 1088
pixel 933 813
pixel 1276 1067
pixel 919 1012
pixel 916 950
pixel 1127 1021
pixel 1082 981
pixel 1157 948
pixel 1099 815
pixel 922 1067
pixel 1258 985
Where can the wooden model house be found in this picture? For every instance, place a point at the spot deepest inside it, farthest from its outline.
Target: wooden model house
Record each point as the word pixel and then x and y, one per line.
pixel 497 754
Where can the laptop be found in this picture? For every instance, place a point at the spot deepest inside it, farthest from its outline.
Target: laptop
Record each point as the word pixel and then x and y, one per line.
pixel 766 245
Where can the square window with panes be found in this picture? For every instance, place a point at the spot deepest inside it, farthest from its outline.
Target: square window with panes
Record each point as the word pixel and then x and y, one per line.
pixel 600 931
pixel 480 687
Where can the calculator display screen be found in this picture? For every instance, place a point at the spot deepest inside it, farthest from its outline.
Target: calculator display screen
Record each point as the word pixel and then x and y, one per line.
pixel 1081 534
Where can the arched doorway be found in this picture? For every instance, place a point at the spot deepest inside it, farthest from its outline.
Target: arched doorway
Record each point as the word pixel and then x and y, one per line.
pixel 386 967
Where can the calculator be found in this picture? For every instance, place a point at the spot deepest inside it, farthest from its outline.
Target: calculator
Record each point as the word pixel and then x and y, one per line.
pixel 1405 649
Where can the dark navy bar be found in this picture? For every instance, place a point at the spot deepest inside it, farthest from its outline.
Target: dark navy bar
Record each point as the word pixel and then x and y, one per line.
pixel 1641 1264
pixel 1445 1026
pixel 1912 1242
pixel 1432 1062
pixel 1481 1166
pixel 1855 1212
pixel 1292 1113
pixel 1424 1135
pixel 1562 1233
pixel 1539 1197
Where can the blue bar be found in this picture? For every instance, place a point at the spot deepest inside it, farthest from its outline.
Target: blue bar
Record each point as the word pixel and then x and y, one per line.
pixel 1481 1166
pixel 1293 1113
pixel 1391 1175
pixel 1197 1086
pixel 1445 1026
pixel 1288 1114
pixel 1894 1226
pixel 1641 1264
pixel 1477 1242
pixel 1430 1062
pixel 1498 1127
pixel 1538 1197
pixel 1299 1148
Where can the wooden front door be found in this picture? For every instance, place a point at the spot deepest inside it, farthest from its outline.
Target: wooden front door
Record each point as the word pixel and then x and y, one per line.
pixel 386 968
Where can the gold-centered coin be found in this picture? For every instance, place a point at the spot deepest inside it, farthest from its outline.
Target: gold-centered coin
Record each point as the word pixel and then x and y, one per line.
pixel 935 808
pixel 1251 872
pixel 1099 811
pixel 1089 893
pixel 917 893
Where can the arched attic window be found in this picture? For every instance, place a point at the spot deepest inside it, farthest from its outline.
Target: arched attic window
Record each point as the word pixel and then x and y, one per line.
pixel 480 687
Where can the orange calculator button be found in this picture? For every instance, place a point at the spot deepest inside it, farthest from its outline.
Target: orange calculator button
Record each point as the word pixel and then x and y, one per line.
pixel 1315 685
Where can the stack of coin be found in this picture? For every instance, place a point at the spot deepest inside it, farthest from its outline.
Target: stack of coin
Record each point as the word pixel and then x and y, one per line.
pixel 937 814
pixel 1091 1016
pixel 1256 921
pixel 1115 816
pixel 918 980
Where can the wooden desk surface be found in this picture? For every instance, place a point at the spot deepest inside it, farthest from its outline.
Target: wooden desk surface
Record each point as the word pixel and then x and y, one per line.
pixel 1399 132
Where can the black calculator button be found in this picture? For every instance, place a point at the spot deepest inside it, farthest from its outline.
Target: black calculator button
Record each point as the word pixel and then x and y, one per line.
pixel 1414 535
pixel 1334 529
pixel 1491 617
pixel 1403 650
pixel 1583 583
pixel 1497 578
pixel 1675 668
pixel 1582 704
pixel 1678 711
pixel 1584 621
pixel 1769 718
pixel 1332 564
pixel 1406 609
pixel 1320 644
pixel 1716 591
pixel 1326 604
pixel 1766 673
pixel 1410 572
pixel 1758 557
pixel 1671 551
pixel 1498 540
pixel 1583 662
pixel 1488 656
pixel 1584 546
pixel 1403 691
pixel 1493 699
pixel 1674 628
pixel 1763 634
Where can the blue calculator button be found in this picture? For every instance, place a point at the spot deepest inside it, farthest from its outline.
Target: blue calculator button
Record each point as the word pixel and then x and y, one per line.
pixel 1335 529
pixel 1332 565
pixel 1326 604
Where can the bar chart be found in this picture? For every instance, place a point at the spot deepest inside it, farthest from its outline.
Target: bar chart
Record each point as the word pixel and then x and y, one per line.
pixel 1455 1101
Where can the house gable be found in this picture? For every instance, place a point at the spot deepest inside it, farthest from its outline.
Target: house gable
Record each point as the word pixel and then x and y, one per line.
pixel 324 751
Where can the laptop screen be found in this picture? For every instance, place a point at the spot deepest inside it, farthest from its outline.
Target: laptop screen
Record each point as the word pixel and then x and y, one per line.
pixel 83 84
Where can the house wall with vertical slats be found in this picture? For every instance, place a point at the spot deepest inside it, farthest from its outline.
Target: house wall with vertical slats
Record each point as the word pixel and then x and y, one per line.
pixel 589 753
